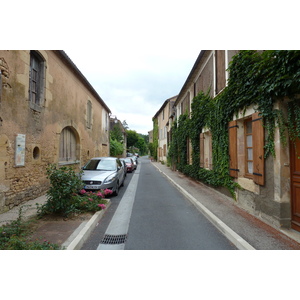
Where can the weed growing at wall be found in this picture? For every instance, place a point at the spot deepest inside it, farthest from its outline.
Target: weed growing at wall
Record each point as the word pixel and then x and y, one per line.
pixel 16 236
pixel 258 78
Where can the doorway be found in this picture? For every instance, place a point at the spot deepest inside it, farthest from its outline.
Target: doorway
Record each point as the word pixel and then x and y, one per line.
pixel 295 184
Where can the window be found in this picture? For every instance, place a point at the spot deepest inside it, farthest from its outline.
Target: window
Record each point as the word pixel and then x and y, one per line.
pixel 206 150
pixel 248 148
pixel 68 152
pixel 248 151
pixel 36 80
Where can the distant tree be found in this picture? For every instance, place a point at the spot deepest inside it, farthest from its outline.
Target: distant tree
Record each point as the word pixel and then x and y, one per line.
pixel 132 138
pixel 141 145
pixel 125 125
pixel 145 137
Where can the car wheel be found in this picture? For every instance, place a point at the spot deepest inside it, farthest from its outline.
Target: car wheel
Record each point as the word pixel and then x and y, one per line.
pixel 116 192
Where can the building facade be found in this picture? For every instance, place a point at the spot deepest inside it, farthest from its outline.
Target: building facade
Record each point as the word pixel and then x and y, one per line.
pixel 164 116
pixel 269 187
pixel 49 114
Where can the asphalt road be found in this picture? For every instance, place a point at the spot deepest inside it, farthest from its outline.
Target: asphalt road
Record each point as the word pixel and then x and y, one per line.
pixel 154 215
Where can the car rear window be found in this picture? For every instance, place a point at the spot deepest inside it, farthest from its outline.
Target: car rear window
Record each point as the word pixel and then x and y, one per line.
pixel 100 165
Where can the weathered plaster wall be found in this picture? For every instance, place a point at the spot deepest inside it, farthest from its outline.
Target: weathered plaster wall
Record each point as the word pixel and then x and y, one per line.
pixel 65 104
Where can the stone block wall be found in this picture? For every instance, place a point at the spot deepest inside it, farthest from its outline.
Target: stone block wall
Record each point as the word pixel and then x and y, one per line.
pixel 66 94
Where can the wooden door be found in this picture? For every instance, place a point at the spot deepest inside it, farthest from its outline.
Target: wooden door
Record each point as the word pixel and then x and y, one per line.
pixel 295 184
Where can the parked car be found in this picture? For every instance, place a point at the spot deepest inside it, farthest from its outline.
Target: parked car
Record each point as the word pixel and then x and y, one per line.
pixel 124 165
pixel 129 164
pixel 135 159
pixel 103 173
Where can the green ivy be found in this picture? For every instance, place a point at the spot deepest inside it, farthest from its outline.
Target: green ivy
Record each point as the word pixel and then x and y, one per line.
pixel 257 78
pixel 154 145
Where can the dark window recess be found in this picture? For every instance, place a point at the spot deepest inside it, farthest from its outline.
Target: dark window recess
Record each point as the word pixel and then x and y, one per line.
pixel 36 80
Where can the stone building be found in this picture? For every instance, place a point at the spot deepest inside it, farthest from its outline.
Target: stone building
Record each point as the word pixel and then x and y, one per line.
pixel 164 116
pixel 49 113
pixel 270 188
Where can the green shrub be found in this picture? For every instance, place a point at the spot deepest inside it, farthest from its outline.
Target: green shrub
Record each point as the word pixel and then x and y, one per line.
pixel 116 147
pixel 66 194
pixel 64 184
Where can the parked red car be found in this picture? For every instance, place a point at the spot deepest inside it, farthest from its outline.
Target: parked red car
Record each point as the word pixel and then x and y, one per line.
pixel 131 166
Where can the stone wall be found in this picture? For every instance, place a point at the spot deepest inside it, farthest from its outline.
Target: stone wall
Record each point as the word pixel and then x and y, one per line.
pixel 66 96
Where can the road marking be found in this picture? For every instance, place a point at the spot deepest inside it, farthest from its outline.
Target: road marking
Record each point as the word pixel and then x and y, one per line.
pixel 119 224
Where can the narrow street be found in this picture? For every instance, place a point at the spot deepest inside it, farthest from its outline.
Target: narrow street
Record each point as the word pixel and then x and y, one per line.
pixel 151 214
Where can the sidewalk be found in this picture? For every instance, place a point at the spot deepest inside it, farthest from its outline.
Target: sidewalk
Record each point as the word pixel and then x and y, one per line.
pixel 243 229
pixel 70 234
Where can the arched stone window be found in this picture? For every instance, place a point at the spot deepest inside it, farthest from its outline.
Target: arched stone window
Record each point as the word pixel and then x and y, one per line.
pixel 68 146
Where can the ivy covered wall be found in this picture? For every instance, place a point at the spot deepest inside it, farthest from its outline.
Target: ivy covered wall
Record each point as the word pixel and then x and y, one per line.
pixel 259 78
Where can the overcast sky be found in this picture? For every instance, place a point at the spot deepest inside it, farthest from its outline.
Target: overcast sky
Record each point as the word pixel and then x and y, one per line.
pixel 135 84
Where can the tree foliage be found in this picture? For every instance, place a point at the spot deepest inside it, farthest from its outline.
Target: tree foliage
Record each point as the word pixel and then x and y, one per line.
pixel 132 138
pixel 116 133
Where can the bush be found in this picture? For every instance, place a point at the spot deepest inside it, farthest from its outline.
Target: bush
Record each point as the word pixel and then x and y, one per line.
pixel 63 196
pixel 64 183
pixel 116 148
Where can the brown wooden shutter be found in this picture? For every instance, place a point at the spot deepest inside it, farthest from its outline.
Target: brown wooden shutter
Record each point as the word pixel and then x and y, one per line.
pixel 210 152
pixel 201 150
pixel 233 162
pixel 258 149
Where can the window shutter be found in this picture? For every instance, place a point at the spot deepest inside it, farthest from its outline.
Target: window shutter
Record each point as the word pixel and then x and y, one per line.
pixel 201 150
pixel 210 152
pixel 233 162
pixel 258 149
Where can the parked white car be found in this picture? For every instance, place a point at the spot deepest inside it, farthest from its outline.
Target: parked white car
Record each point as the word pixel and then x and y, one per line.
pixel 103 173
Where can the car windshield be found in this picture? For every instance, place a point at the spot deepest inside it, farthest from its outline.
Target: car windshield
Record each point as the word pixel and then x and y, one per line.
pixel 128 160
pixel 100 165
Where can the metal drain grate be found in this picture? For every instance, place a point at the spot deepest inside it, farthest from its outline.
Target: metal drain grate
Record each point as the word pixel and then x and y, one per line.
pixel 114 239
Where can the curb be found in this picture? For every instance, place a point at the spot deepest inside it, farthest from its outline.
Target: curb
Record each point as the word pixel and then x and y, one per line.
pixel 82 233
pixel 237 240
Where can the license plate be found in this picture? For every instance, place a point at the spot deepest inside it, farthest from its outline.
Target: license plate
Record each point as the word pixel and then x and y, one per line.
pixel 92 187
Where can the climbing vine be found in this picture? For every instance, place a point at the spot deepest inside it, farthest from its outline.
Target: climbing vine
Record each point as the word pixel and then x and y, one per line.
pixel 257 78
pixel 154 145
